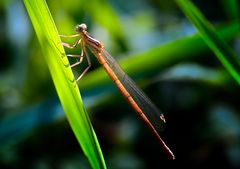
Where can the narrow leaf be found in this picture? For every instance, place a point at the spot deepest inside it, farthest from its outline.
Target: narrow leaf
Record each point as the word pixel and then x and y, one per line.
pixel 224 53
pixel 64 82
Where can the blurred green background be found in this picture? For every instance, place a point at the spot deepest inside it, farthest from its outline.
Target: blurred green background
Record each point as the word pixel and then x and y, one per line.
pixel 189 84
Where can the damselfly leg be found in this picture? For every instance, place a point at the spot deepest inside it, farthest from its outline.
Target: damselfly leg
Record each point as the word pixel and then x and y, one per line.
pixel 81 56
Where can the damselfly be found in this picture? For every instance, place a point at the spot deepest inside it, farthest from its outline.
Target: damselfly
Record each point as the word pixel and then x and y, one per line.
pixel 135 96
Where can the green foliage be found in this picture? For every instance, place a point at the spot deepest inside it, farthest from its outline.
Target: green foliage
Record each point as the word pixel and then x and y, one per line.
pixel 224 53
pixel 63 79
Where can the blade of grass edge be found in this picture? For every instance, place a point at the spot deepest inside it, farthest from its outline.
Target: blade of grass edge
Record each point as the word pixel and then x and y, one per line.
pixel 224 53
pixel 64 82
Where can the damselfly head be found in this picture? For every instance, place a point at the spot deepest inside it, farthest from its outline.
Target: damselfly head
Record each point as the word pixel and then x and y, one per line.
pixel 80 28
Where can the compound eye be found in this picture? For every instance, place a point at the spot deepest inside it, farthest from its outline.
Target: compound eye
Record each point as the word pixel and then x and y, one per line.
pixel 80 28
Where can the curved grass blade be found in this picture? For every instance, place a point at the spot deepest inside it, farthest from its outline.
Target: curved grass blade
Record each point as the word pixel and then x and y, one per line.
pixel 64 82
pixel 224 53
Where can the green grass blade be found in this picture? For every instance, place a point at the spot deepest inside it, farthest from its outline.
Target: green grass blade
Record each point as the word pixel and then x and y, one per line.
pixel 224 53
pixel 64 82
